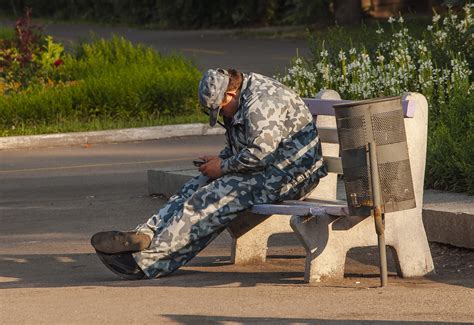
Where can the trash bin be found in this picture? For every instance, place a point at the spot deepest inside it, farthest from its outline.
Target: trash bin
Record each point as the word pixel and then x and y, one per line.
pixel 378 121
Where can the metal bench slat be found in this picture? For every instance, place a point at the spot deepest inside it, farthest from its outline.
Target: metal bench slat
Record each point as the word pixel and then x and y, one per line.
pixel 292 208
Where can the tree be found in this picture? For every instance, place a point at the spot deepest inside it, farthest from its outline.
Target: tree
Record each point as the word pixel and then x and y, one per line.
pixel 347 12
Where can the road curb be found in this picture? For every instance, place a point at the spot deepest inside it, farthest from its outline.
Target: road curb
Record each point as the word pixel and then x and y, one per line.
pixel 453 228
pixel 109 136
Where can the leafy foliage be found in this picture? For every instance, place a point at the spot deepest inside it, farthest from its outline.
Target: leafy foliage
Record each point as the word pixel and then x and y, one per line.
pixel 104 80
pixel 451 146
pixel 28 57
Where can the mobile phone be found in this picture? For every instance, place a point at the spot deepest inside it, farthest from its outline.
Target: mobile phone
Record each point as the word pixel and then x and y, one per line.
pixel 198 163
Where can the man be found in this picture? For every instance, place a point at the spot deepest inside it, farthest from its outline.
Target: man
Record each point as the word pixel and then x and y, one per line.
pixel 273 153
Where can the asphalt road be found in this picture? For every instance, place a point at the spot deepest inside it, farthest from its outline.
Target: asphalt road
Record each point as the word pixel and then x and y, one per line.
pixel 208 48
pixel 44 179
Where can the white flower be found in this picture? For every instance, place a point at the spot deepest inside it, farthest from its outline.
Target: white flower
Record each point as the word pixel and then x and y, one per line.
pixel 391 20
pixel 342 56
pixel 379 31
pixel 324 53
pixel 436 18
pixel 440 36
pixel 422 47
pixel 400 20
pixel 461 27
pixel 352 51
pixel 467 8
pixel 430 27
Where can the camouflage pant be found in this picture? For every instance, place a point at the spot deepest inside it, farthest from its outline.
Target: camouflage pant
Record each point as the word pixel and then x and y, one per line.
pixel 200 211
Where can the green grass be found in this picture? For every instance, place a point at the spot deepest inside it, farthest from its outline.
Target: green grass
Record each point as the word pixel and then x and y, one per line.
pixel 6 33
pixel 107 84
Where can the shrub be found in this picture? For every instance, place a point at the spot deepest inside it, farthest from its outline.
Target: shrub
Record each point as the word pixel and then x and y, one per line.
pixel 451 146
pixel 439 65
pixel 106 79
pixel 27 57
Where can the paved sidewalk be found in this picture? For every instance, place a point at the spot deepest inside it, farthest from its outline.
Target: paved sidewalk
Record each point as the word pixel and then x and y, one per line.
pixel 53 199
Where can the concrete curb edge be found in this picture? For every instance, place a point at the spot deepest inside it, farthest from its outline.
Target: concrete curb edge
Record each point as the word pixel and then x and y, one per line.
pixel 109 136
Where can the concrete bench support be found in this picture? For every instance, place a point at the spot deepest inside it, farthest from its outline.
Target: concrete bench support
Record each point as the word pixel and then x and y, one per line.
pixel 328 239
pixel 250 233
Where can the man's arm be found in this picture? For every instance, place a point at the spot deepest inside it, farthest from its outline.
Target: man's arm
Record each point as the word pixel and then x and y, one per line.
pixel 227 151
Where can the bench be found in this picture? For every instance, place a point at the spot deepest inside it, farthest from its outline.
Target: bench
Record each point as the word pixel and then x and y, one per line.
pixel 321 222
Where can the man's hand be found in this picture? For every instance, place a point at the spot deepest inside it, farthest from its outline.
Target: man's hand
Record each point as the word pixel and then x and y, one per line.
pixel 212 167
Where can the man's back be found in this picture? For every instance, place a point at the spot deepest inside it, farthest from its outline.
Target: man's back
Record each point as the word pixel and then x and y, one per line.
pixel 272 130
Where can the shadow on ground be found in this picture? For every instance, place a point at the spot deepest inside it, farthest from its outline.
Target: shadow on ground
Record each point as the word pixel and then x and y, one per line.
pixel 193 319
pixel 70 270
pixel 453 265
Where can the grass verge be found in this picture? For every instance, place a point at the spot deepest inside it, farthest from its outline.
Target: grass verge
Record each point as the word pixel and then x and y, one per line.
pixel 104 84
pixel 6 33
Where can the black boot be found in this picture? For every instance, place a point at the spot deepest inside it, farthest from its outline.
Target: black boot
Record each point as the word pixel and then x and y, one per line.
pixel 123 265
pixel 112 242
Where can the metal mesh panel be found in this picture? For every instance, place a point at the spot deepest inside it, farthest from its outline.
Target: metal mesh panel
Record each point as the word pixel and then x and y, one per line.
pixel 352 132
pixel 388 127
pixel 357 186
pixel 396 182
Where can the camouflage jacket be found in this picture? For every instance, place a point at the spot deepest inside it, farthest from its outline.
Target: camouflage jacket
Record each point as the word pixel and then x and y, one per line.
pixel 272 131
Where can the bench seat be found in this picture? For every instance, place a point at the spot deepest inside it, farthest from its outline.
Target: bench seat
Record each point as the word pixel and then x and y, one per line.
pixel 308 207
